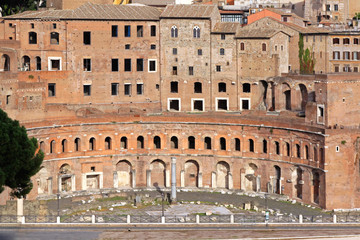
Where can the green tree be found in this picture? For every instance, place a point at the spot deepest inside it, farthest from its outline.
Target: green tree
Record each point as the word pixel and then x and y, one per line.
pixel 20 158
pixel 10 7
pixel 306 58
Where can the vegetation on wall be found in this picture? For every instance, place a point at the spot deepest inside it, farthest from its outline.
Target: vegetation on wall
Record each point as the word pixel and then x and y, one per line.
pixel 20 158
pixel 306 58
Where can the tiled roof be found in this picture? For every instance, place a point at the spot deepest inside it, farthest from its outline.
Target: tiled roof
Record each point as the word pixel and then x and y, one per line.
pixel 189 11
pixel 95 11
pixel 260 33
pixel 154 2
pixel 225 27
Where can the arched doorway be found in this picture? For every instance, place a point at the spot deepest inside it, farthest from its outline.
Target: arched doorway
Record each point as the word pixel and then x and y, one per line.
pixel 299 182
pixel 263 89
pixel 5 63
pixel 287 95
pixel 316 186
pixel 42 181
pixel 250 180
pixel 304 96
pixel 124 173
pixel 158 173
pixel 277 183
pixel 26 63
pixel 65 178
pixel 222 174
pixel 191 174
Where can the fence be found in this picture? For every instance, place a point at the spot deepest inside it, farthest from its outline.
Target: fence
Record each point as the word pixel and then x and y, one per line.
pixel 181 219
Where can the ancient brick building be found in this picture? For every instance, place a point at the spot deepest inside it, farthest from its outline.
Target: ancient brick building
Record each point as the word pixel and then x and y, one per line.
pixel 113 92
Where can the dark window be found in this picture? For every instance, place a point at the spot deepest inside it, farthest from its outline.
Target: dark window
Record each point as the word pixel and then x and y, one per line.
pixel 52 89
pixel 336 41
pixel 174 70
pixel 191 142
pixel 108 143
pixel 237 144
pixel 152 46
pixel 277 148
pixel 251 145
pixel 191 70
pixel 127 46
pixel 127 65
pixel 87 38
pixel 264 146
pixel 246 87
pixel 327 7
pixel 174 51
pixel 127 31
pixel 114 89
pixel 222 104
pixel 336 7
pixel 92 144
pixel 197 87
pixel 306 152
pixel 356 41
pixel 222 87
pixel 297 150
pixel 127 89
pixel 139 64
pixel 207 143
pixel 346 41
pixel 152 65
pixel 157 142
pixel 199 52
pixel 54 25
pixel 87 65
pixel 222 143
pixel 32 38
pixel 140 31
pixel 55 64
pixel 87 90
pixel 38 63
pixel 174 87
pixel 288 149
pixel 218 68
pixel 140 142
pixel 174 104
pixel 123 143
pixel 222 36
pixel 174 142
pixel 242 46
pixel 32 25
pixel 198 105
pixel 115 65
pixel 152 30
pixel 264 47
pixel 114 30
pixel 222 51
pixel 245 104
pixel 52 146
pixel 196 32
pixel 174 32
pixel 54 38
pixel 77 146
pixel 139 89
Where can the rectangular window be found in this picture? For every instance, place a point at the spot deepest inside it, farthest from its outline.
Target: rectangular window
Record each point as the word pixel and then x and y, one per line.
pixel 87 38
pixel 127 31
pixel 54 25
pixel 221 104
pixel 152 65
pixel 336 68
pixel 198 105
pixel 245 104
pixel 139 89
pixel 152 30
pixel 218 68
pixel 115 65
pixel 173 104
pixel 174 51
pixel 320 114
pixel 356 69
pixel 87 65
pixel 174 87
pixel 140 31
pixel 152 46
pixel 114 30
pixel 127 89
pixel 199 52
pixel 87 90
pixel 55 64
pixel 127 46
pixel 222 36
pixel 139 64
pixel 346 55
pixel 336 55
pixel 52 89
pixel 127 65
pixel 8 99
pixel 174 70
pixel 336 7
pixel 327 7
pixel 191 70
pixel 114 89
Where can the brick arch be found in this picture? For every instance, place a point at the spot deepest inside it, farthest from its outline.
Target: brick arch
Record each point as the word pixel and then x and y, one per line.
pixel 191 170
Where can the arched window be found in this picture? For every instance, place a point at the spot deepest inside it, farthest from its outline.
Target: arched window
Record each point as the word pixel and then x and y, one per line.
pixel 38 63
pixel 356 41
pixel 263 47
pixel 77 145
pixel 264 146
pixel 306 153
pixel 222 51
pixel 298 151
pixel 346 41
pixel 336 41
pixel 251 145
pixel 197 87
pixel 32 38
pixel 64 145
pixel 123 143
pixel 174 32
pixel 174 142
pixel 140 142
pixel 246 87
pixel 26 63
pixel 108 143
pixel 242 46
pixel 207 143
pixel 222 143
pixel 315 154
pixel 277 148
pixel 222 87
pixel 92 144
pixel 5 62
pixel 287 145
pixel 157 142
pixel 237 144
pixel 54 38
pixel 52 146
pixel 191 142
pixel 196 32
pixel 42 146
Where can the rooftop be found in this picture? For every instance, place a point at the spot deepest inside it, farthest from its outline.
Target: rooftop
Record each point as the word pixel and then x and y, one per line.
pixel 189 11
pixel 225 27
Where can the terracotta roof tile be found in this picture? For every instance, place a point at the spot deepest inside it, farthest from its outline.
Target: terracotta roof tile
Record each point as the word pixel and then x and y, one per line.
pixel 189 11
pixel 226 27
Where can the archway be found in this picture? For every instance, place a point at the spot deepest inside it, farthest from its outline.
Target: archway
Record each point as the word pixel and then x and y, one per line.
pixel 124 176
pixel 65 178
pixel 277 177
pixel 26 63
pixel 191 174
pixel 222 174
pixel 263 89
pixel 250 180
pixel 316 186
pixel 287 95
pixel 5 63
pixel 299 182
pixel 158 173
pixel 42 181
pixel 304 96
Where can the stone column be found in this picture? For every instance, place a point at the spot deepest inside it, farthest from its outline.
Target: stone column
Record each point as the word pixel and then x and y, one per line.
pixel 148 178
pixel 231 182
pixel 213 180
pixel 116 179
pixel 133 178
pixel 200 180
pixel 167 178
pixel 73 186
pixel 182 178
pixel 258 183
pixel 173 179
